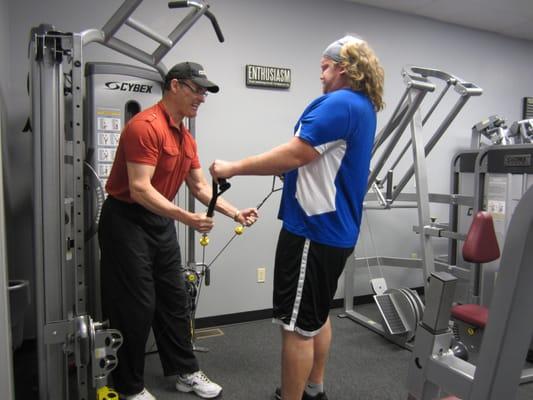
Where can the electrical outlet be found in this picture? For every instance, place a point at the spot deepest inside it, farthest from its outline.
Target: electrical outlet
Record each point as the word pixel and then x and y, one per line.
pixel 261 274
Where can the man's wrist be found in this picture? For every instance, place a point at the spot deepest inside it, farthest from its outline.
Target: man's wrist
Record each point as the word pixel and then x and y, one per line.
pixel 236 215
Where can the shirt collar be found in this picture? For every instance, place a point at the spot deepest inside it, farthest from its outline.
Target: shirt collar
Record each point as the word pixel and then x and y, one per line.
pixel 169 119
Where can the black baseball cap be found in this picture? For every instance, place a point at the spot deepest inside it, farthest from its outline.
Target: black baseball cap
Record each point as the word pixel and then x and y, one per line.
pixel 193 72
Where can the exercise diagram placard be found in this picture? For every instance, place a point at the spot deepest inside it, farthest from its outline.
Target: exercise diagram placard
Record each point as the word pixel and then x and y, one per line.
pixel 108 127
pixel 270 77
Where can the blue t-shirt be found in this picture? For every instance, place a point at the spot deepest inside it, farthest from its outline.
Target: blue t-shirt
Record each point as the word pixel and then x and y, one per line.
pixel 323 200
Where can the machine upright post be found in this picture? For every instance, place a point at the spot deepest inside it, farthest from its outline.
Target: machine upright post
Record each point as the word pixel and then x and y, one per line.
pixel 191 243
pixel 84 380
pixel 422 191
pixel 6 352
pixel 49 207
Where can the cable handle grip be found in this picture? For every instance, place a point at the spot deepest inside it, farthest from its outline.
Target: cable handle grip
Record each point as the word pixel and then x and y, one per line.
pixel 207 275
pixel 213 201
pixel 223 185
pixel 178 4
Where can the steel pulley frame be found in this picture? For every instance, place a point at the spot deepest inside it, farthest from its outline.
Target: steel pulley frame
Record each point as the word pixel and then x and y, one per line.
pixel 67 337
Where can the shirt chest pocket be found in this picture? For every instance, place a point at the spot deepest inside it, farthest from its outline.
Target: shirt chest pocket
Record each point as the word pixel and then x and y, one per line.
pixel 171 158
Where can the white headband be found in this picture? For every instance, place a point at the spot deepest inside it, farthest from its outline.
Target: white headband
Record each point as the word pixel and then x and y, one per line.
pixel 333 51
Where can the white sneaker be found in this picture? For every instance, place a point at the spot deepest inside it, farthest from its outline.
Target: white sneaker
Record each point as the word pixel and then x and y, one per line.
pixel 144 395
pixel 198 383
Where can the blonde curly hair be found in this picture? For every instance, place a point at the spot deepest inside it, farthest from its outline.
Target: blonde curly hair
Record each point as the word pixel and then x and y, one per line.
pixel 364 70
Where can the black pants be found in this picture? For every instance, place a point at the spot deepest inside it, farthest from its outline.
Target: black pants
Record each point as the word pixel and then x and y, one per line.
pixel 142 287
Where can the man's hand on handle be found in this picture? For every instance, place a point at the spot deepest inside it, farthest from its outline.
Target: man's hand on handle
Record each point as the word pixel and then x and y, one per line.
pixel 201 222
pixel 246 217
pixel 221 169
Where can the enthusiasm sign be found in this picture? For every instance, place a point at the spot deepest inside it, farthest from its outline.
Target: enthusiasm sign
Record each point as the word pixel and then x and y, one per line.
pixel 272 77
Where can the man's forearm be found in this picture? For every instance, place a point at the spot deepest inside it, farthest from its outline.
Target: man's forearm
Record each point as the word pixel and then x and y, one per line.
pixel 204 195
pixel 277 161
pixel 154 201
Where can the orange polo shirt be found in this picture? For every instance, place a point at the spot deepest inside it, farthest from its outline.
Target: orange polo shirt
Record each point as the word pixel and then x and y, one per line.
pixel 151 137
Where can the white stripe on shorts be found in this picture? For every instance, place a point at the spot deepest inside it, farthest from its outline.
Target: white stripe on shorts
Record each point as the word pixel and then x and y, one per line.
pixel 300 288
pixel 295 329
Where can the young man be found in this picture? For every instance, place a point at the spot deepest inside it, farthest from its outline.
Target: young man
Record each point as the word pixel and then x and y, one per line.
pixel 326 167
pixel 142 285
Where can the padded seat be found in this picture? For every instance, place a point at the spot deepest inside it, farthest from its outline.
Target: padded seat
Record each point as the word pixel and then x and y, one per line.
pixel 480 246
pixel 473 314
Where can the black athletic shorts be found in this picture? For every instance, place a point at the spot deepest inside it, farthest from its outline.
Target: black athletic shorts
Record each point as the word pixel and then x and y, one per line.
pixel 305 280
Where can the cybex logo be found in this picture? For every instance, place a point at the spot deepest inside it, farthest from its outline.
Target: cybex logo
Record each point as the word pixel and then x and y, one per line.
pixel 129 87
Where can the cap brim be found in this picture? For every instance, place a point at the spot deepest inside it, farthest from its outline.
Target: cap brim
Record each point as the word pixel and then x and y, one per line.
pixel 205 83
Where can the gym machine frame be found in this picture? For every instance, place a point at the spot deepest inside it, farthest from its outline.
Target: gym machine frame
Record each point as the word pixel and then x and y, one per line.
pixel 66 334
pixel 495 159
pixel 510 154
pixel 403 305
pixel 434 368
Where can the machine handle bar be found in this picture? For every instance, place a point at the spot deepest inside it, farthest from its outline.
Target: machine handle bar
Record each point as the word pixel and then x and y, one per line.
pixel 434 73
pixel 216 27
pixel 207 13
pixel 178 4
pixel 461 86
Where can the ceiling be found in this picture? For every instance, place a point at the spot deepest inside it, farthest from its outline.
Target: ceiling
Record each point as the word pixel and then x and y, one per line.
pixel 512 18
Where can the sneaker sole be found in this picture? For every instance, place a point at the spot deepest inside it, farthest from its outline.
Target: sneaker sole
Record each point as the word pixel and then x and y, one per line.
pixel 187 389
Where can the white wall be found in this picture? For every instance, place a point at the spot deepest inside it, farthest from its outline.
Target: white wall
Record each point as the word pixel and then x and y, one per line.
pixel 239 121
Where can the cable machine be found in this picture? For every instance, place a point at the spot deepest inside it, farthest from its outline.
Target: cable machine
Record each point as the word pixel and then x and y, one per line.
pixel 75 353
